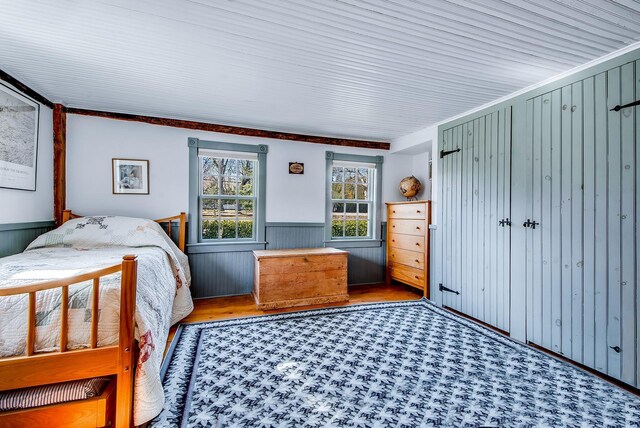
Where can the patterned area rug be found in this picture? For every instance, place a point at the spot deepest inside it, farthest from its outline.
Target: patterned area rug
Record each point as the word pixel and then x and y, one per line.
pixel 405 364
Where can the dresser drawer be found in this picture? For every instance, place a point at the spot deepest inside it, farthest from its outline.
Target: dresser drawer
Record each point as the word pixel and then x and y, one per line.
pixel 410 211
pixel 405 257
pixel 407 227
pixel 407 275
pixel 406 242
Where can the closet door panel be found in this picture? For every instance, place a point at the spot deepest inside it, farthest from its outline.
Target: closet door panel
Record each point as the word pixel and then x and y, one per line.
pixel 582 259
pixel 476 195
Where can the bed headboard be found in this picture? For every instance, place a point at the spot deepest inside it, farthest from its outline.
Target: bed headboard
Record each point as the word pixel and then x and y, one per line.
pixel 180 218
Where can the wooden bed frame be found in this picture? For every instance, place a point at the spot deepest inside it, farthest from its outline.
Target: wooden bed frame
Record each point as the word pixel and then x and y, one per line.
pixel 115 405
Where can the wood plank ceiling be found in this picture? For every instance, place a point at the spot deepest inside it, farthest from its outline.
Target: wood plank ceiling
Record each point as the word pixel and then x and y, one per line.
pixel 369 69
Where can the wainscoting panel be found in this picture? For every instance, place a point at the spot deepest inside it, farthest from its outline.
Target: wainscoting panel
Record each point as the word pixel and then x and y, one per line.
pixel 366 265
pixel 294 235
pixel 221 274
pixel 14 238
pixel 231 273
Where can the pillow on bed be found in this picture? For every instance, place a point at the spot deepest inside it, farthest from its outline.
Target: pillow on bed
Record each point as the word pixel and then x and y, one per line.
pixel 111 231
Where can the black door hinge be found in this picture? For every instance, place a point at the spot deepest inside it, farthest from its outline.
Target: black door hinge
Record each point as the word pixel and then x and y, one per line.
pixel 616 348
pixel 619 107
pixel 505 222
pixel 443 288
pixel 444 153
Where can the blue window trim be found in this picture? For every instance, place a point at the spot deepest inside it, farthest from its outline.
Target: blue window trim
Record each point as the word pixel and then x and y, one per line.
pixel 195 242
pixel 375 239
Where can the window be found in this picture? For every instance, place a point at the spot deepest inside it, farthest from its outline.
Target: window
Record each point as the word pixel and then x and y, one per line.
pixel 353 197
pixel 227 187
pixel 227 195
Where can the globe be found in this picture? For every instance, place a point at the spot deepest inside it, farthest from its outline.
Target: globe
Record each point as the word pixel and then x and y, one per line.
pixel 410 187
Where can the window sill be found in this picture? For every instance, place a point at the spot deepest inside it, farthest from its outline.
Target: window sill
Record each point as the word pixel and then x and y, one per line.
pixel 353 243
pixel 224 247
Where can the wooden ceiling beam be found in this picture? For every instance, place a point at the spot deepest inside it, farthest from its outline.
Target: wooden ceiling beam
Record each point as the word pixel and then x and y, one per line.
pixel 236 130
pixel 25 89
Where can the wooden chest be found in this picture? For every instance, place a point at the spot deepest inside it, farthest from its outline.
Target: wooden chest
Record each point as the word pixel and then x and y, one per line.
pixel 309 276
pixel 408 243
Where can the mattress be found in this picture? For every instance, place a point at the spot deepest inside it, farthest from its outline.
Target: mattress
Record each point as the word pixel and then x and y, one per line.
pixel 83 245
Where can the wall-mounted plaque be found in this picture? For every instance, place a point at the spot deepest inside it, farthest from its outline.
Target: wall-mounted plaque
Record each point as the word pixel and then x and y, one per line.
pixel 296 168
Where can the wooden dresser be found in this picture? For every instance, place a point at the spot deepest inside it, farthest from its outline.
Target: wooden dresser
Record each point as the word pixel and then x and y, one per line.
pixel 298 277
pixel 408 243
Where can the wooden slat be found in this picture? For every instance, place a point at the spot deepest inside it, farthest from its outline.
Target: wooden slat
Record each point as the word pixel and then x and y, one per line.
pixel 64 318
pixel 492 224
pixel 556 221
pixel 227 129
pixel 466 158
pixel 546 226
pixel 95 301
pixel 566 218
pixel 600 233
pixel 478 294
pixel 535 267
pixel 628 224
pixel 31 324
pixel 20 372
pixel 590 300
pixel 614 236
pixel 577 211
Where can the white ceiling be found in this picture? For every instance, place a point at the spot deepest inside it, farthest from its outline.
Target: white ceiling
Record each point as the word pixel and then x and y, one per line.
pixel 371 69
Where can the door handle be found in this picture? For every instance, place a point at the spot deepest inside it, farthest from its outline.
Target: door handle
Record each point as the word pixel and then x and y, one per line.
pixel 505 222
pixel 531 224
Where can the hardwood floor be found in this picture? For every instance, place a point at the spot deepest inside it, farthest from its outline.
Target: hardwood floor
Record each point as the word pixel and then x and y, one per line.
pixel 219 308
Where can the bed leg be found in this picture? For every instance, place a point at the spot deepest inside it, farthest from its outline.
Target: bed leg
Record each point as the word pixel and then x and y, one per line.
pixel 126 342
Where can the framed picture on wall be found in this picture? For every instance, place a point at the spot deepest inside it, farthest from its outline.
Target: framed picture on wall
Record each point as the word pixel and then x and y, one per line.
pixel 130 176
pixel 19 117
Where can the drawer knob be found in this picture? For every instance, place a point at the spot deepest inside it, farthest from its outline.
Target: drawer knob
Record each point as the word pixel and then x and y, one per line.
pixel 418 244
pixel 417 277
pixel 393 240
pixel 418 211
pixel 394 211
pixel 417 227
pixel 417 261
pixel 393 225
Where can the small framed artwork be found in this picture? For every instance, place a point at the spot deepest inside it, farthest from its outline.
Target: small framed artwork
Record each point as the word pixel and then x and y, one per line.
pixel 130 176
pixel 19 117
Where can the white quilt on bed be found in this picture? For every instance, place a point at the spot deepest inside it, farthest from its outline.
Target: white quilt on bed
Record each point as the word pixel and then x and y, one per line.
pixel 84 244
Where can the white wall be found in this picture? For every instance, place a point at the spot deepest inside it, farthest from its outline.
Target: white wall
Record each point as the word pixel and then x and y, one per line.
pixel 92 143
pixel 20 206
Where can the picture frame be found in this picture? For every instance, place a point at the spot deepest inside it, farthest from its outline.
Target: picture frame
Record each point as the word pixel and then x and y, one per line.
pixel 130 176
pixel 19 128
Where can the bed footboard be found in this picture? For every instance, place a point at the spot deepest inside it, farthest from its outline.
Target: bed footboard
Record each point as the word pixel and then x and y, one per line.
pixel 118 360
